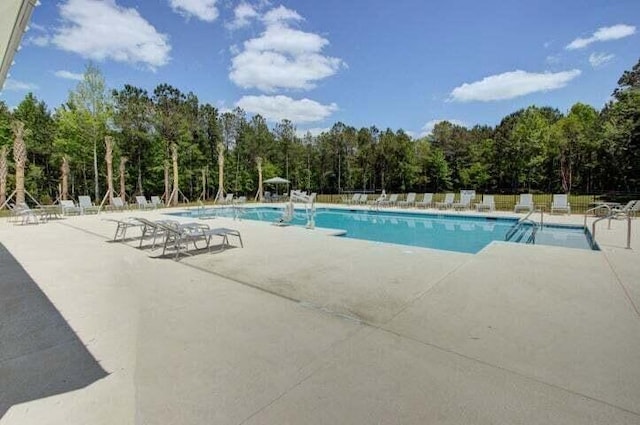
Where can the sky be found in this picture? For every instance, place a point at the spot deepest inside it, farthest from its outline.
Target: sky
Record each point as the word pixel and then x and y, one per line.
pixel 404 64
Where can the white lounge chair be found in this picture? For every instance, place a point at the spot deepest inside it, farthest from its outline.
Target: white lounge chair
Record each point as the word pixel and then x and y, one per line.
pixel 560 204
pixel 143 204
pixel 116 204
pixel 228 199
pixel 427 201
pixel 409 202
pixel 486 204
pixel 525 203
pixel 448 201
pixel 353 200
pixel 363 198
pixel 21 213
pixel 86 206
pixel 69 207
pixel 157 202
pixel 464 203
pixel 391 201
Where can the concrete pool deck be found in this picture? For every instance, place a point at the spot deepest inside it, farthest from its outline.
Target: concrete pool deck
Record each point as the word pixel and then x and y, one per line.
pixel 301 327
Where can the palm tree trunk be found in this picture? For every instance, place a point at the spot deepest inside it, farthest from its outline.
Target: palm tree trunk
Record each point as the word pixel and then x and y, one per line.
pixel 220 194
pixel 108 157
pixel 122 169
pixel 4 169
pixel 176 188
pixel 64 190
pixel 20 158
pixel 259 194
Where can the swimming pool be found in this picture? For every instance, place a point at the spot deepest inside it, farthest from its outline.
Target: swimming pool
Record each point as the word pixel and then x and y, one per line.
pixel 439 231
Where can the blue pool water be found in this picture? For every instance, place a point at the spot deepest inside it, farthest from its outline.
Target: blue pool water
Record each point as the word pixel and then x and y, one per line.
pixel 439 231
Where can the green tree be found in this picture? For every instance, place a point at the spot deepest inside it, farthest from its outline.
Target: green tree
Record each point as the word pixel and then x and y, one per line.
pixel 91 96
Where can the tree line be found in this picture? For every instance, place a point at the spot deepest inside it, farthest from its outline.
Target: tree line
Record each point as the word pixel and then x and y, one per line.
pixel 584 150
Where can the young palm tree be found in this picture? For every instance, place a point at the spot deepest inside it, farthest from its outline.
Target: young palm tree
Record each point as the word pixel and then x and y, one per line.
pixel 260 193
pixel 20 158
pixel 64 169
pixel 4 169
pixel 108 157
pixel 220 194
pixel 123 162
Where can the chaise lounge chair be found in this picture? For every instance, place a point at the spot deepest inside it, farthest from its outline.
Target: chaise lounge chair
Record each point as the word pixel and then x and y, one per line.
pixel 86 206
pixel 143 204
pixel 391 201
pixel 525 203
pixel 560 204
pixel 178 237
pixel 69 207
pixel 448 201
pixel 464 203
pixel 486 204
pixel 156 202
pixel 21 213
pixel 427 201
pixel 409 202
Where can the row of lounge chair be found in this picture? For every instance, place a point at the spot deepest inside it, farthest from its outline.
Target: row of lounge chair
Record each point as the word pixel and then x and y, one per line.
pixel 559 204
pixel 173 235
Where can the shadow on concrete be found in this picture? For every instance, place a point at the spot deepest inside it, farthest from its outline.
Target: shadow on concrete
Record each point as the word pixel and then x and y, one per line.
pixel 40 355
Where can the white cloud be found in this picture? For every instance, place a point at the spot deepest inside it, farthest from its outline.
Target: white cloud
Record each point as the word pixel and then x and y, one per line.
pixel 204 10
pixel 599 59
pixel 511 84
pixel 102 30
pixel 277 108
pixel 69 75
pixel 282 57
pixel 40 40
pixel 614 32
pixel 281 15
pixel 244 13
pixel 14 85
pixel 427 129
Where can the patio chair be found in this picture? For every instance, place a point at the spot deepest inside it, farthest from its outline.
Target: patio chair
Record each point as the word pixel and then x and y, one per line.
pixel 448 201
pixel 143 204
pixel 363 199
pixel 464 203
pixel 354 199
pixel 157 202
pixel 560 204
pixel 22 214
pixel 116 204
pixel 179 236
pixel 241 200
pixel 631 209
pixel 409 202
pixel 525 203
pixel 123 225
pixel 228 199
pixel 69 207
pixel 86 206
pixel 153 229
pixel 427 201
pixel 486 204
pixel 391 201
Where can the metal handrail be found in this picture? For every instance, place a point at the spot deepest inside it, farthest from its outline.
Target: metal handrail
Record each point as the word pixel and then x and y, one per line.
pixel 610 216
pixel 608 207
pixel 514 229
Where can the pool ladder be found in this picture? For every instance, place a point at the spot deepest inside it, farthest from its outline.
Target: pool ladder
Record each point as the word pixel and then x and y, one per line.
pixel 518 227
pixel 609 216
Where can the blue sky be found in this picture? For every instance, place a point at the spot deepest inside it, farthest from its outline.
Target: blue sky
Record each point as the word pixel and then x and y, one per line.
pixel 400 64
